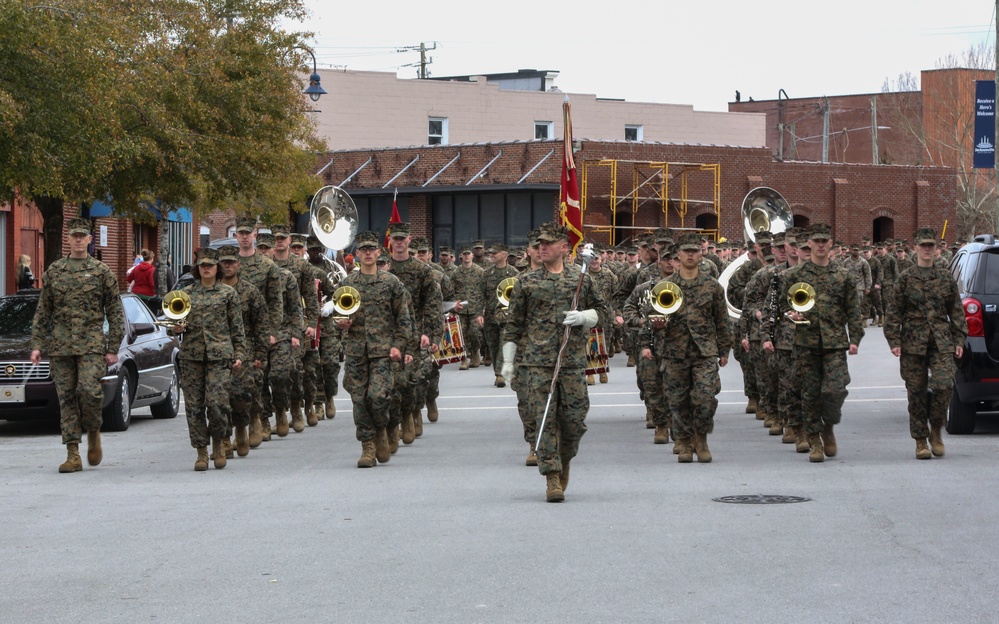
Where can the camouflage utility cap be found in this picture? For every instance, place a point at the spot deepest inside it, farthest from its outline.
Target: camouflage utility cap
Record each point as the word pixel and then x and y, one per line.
pixel 368 240
pixel 763 238
pixel 78 226
pixel 265 239
pixel 228 252
pixel 280 230
pixel 780 239
pixel 478 244
pixel 208 256
pixel 246 224
pixel 925 235
pixel 688 242
pixel 820 231
pixel 398 230
pixel 421 244
pixel 551 232
pixel 496 247
pixel 466 250
pixel 314 243
pixel 298 240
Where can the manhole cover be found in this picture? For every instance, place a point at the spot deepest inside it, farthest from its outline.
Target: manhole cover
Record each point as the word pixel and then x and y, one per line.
pixel 761 499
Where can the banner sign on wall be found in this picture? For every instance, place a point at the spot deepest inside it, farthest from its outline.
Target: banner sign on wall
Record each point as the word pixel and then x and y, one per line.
pixel 985 124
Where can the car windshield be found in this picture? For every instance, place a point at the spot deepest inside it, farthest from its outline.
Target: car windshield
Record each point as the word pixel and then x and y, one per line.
pixel 16 314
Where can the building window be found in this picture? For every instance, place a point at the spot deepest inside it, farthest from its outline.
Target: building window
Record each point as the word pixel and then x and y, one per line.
pixel 437 131
pixel 633 133
pixel 543 130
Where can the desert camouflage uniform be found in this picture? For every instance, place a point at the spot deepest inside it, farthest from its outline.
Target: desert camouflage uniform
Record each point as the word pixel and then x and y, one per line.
pixel 77 295
pixel 926 320
pixel 381 323
pixel 213 340
pixel 537 308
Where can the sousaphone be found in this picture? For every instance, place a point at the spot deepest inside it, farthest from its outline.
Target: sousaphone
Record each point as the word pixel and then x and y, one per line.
pixel 763 210
pixel 333 220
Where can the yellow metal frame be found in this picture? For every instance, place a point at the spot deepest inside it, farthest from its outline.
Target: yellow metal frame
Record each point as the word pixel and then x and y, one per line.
pixel 654 187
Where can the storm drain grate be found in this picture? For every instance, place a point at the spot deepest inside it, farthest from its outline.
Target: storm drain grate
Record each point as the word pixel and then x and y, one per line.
pixel 761 499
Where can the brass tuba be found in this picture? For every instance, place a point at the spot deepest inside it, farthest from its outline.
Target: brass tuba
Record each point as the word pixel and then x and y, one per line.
pixel 666 298
pixel 801 298
pixel 763 210
pixel 505 290
pixel 176 306
pixel 333 220
pixel 346 301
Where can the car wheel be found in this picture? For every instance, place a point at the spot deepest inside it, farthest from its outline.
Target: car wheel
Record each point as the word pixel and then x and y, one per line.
pixel 961 419
pixel 118 415
pixel 171 405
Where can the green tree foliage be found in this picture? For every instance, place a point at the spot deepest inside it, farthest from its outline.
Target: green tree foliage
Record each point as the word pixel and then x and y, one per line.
pixel 189 102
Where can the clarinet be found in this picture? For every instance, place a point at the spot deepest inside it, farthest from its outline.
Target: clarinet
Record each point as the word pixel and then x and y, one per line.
pixel 772 303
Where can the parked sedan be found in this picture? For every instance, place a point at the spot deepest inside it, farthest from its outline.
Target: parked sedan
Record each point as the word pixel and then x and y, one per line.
pixel 145 375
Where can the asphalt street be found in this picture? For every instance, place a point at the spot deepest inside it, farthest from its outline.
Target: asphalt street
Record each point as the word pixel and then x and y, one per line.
pixel 456 529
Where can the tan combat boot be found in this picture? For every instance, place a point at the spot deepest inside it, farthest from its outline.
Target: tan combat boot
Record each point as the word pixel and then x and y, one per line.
pixel 227 447
pixel 936 440
pixel 590 381
pixel 408 428
pixel 499 382
pixel 297 417
pixel 829 441
pixel 94 452
pixel 255 437
pixel 367 459
pixel 603 377
pixel 801 444
pixel 766 417
pixel 751 406
pixel 330 408
pixel 320 411
pixel 777 428
pixel 382 451
pixel 281 426
pixel 265 429
pixel 73 462
pixel 922 450
pixel 554 494
pixel 218 453
pixel 418 423
pixel 631 361
pixel 532 459
pixel 815 452
pixel 701 448
pixel 464 364
pixel 201 463
pixel 242 442
pixel 311 418
pixel 475 360
pixel 685 451
pixel 432 414
pixel 393 439
pixel 662 435
pixel 788 437
pixel 563 479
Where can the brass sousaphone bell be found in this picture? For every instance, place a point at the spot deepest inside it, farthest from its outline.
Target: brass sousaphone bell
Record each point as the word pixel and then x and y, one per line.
pixel 801 298
pixel 504 290
pixel 333 220
pixel 666 298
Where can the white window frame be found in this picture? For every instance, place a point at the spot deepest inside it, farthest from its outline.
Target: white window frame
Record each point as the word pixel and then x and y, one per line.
pixel 549 129
pixel 442 137
pixel 639 132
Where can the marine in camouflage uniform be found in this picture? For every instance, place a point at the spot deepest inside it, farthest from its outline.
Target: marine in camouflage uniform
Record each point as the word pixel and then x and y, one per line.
pixel 606 282
pixel 427 393
pixel 860 271
pixel 736 292
pixel 492 277
pixel 696 342
pixel 876 301
pixel 246 380
pixel 302 385
pixel 259 270
pixel 213 344
pixel 330 337
pixel 756 304
pixel 467 282
pixel 78 293
pixel 926 329
pixel 276 394
pixel 527 420
pixel 378 336
pixel 889 270
pixel 428 328
pixel 835 327
pixel 539 309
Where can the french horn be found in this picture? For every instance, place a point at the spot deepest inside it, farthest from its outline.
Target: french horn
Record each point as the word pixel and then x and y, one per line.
pixel 346 301
pixel 801 298
pixel 505 290
pixel 176 306
pixel 666 298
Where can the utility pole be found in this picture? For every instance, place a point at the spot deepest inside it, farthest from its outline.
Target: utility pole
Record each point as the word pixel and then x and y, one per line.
pixel 780 122
pixel 874 128
pixel 825 130
pixel 424 62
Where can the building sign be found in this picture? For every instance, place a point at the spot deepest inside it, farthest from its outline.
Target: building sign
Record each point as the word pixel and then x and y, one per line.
pixel 985 124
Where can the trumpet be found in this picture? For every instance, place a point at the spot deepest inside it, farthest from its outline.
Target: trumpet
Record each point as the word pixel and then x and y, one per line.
pixel 801 298
pixel 666 298
pixel 505 290
pixel 176 307
pixel 346 300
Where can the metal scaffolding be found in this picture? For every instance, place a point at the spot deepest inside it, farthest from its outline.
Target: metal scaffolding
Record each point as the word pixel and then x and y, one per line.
pixel 626 186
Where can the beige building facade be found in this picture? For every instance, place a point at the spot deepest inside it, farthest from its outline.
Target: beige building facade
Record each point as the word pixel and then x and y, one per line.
pixel 370 110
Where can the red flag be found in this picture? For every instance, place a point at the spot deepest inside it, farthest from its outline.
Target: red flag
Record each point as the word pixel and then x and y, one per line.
pixel 569 210
pixel 395 218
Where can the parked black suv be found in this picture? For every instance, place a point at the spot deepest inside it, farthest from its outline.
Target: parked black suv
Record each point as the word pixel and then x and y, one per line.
pixel 976 383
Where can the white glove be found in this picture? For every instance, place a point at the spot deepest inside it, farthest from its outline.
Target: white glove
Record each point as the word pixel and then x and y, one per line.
pixel 509 356
pixel 586 318
pixel 327 308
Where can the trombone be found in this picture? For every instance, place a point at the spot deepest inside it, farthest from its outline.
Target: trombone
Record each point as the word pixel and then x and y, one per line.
pixel 801 298
pixel 505 290
pixel 666 298
pixel 176 306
